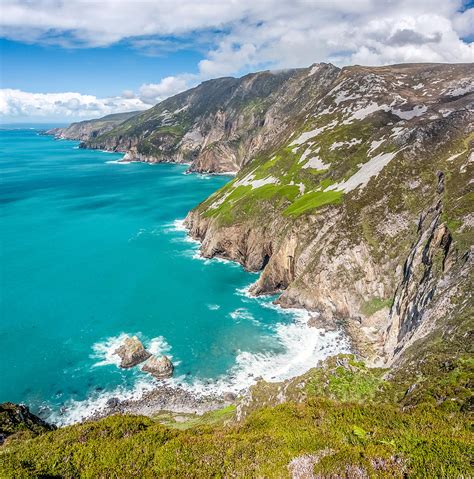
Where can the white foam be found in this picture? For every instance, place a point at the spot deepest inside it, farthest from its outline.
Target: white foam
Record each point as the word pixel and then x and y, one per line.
pixel 301 349
pixel 118 162
pixel 213 307
pixel 296 348
pixel 104 351
pixel 243 314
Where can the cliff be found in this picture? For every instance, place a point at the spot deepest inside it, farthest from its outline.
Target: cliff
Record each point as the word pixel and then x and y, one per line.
pixel 88 129
pixel 364 211
pixel 353 198
pixel 220 125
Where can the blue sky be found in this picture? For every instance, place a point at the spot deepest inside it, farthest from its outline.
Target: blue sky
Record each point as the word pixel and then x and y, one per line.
pixel 66 60
pixel 100 71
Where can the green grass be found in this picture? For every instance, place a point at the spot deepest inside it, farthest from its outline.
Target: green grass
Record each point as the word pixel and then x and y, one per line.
pixel 186 421
pixel 313 200
pixel 375 304
pixel 426 443
pixel 244 200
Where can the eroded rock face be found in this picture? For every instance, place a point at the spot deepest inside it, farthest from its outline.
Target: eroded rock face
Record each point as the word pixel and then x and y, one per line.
pixel 17 418
pixel 160 368
pixel 89 129
pixel 132 352
pixel 363 215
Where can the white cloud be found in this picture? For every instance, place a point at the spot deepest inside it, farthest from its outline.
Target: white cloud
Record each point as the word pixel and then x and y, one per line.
pixel 248 33
pixel 152 93
pixel 239 35
pixel 17 104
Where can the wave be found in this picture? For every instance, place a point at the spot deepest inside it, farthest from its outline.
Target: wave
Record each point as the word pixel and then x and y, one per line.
pixel 294 348
pixel 299 348
pixel 117 162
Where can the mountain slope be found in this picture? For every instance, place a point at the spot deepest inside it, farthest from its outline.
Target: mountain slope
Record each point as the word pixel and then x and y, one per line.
pixel 354 198
pixel 364 212
pixel 85 130
pixel 221 124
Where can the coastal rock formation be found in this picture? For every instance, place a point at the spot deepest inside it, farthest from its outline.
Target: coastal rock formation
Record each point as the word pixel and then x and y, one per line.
pixel 222 124
pixel 132 352
pixel 343 177
pixel 17 419
pixel 363 212
pixel 89 129
pixel 161 368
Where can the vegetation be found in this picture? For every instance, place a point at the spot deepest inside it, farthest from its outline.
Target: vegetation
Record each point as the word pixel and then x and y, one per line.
pixel 313 200
pixel 375 304
pixel 344 426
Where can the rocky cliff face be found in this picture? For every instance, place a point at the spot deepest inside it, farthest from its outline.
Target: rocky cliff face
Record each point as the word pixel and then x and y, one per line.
pixel 89 129
pixel 344 177
pixel 222 124
pixel 363 211
pixel 17 420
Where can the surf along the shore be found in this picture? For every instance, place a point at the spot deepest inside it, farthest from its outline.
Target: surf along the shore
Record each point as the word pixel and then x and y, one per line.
pixel 134 271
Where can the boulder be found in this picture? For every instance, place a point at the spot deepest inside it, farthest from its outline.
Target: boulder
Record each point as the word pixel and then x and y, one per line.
pixel 132 352
pixel 161 368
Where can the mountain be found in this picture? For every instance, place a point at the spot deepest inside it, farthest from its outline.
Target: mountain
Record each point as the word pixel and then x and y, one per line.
pixel 220 125
pixel 353 197
pixel 85 130
pixel 363 210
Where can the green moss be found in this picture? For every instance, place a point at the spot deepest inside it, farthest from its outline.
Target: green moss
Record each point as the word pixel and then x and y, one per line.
pixel 313 200
pixel 375 304
pixel 357 435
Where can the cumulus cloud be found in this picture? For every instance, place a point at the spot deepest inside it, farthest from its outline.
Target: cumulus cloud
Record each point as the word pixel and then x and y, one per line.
pixel 249 33
pixel 17 104
pixel 152 93
pixel 240 35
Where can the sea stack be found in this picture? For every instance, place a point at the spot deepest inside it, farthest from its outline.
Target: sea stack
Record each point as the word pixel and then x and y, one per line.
pixel 161 368
pixel 132 352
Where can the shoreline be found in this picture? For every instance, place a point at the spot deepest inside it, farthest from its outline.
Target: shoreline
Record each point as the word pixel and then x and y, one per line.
pixel 303 346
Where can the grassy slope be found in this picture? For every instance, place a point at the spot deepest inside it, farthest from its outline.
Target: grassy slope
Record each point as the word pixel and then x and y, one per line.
pixel 363 419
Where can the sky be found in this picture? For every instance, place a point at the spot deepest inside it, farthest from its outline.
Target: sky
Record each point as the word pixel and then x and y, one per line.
pixel 67 60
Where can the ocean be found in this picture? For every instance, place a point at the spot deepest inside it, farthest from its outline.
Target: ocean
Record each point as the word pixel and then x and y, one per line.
pixel 92 250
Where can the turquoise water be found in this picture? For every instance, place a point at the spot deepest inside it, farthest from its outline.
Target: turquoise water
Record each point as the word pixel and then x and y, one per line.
pixel 92 250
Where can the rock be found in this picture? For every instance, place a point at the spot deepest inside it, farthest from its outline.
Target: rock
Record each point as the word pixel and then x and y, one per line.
pixel 113 403
pixel 229 397
pixel 17 418
pixel 132 352
pixel 160 368
pixel 322 323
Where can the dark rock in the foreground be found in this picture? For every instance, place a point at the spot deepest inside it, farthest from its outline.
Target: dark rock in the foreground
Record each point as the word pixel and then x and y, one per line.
pixel 17 418
pixel 160 368
pixel 132 352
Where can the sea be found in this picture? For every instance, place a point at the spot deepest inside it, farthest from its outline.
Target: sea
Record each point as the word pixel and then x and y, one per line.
pixel 93 250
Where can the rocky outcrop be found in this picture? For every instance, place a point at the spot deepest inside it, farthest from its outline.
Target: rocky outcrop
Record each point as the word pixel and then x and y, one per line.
pixel 89 129
pixel 17 419
pixel 222 124
pixel 376 236
pixel 132 352
pixel 161 368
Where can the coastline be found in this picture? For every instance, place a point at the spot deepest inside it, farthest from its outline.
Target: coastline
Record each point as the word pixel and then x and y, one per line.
pixel 175 396
pixel 302 347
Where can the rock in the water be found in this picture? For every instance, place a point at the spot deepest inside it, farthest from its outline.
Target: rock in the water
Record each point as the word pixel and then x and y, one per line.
pixel 132 352
pixel 160 368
